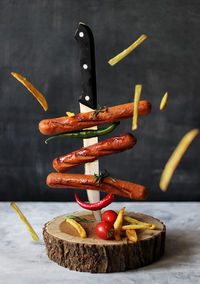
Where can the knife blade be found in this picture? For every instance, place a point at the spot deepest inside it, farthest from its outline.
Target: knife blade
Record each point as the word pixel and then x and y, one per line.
pixel 88 98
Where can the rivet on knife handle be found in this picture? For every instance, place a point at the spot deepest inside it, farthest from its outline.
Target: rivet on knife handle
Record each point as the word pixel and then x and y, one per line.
pixel 85 40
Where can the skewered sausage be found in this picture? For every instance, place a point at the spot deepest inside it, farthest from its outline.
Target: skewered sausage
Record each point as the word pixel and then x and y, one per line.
pixel 91 153
pixel 86 120
pixel 120 187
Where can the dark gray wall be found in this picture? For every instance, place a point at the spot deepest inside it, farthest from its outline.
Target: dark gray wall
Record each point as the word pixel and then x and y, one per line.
pixel 36 40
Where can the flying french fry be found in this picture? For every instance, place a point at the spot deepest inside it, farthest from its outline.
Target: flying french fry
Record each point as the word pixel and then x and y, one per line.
pixel 70 114
pixel 163 102
pixel 175 158
pixel 138 89
pixel 41 99
pixel 128 50
pixel 27 224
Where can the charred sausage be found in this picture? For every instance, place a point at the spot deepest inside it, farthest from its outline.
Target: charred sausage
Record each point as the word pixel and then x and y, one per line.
pixel 86 120
pixel 91 153
pixel 119 187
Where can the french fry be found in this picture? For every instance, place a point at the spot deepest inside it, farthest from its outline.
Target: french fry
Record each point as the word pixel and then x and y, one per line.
pixel 163 102
pixel 41 99
pixel 27 224
pixel 70 114
pixel 138 89
pixel 128 50
pixel 136 222
pixel 118 224
pixel 135 227
pixel 175 158
pixel 78 227
pixel 132 235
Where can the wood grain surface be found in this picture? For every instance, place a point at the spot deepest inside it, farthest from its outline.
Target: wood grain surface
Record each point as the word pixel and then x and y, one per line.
pixel 95 255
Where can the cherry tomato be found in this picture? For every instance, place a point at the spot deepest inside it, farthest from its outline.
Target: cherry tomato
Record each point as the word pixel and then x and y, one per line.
pixel 109 216
pixel 104 230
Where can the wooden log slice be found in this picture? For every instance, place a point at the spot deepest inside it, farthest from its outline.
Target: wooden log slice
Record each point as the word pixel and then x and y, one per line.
pixel 95 255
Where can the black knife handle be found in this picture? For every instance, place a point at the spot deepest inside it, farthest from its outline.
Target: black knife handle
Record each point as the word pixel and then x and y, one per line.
pixel 85 41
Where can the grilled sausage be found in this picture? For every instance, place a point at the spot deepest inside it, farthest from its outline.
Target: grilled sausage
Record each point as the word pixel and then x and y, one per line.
pixel 86 120
pixel 119 187
pixel 91 153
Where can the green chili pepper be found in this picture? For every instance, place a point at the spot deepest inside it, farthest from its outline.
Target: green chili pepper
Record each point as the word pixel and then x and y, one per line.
pixel 86 133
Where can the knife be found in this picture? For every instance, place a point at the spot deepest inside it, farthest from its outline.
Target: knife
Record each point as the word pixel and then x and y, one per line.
pixel 88 98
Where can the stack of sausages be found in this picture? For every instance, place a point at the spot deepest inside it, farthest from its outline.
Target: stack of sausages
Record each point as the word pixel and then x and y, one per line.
pixel 91 153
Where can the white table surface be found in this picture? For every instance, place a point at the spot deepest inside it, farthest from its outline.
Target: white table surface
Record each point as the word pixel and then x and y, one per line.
pixel 23 261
